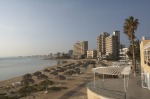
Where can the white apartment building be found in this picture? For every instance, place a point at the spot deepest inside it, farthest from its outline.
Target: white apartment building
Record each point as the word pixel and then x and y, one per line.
pixel 123 53
pixel 80 48
pixel 91 53
pixel 101 44
pixel 112 45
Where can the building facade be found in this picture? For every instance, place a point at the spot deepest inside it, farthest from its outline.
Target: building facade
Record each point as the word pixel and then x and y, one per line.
pixel 70 52
pixel 80 49
pixel 123 53
pixel 91 54
pixel 113 46
pixel 101 44
pixel 145 62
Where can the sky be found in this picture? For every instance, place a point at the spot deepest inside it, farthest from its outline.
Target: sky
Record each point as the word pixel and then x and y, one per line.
pixel 30 27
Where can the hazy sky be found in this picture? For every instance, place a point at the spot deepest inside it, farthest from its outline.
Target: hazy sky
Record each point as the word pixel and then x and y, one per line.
pixel 29 27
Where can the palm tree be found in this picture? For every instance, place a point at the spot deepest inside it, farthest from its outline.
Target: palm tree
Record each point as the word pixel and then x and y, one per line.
pixel 129 28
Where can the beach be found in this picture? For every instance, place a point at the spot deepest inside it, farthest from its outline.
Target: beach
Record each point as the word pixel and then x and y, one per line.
pixel 76 85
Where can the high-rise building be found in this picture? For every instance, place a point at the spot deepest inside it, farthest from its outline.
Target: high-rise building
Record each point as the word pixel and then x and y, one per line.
pixel 101 44
pixel 113 45
pixel 80 49
pixel 70 52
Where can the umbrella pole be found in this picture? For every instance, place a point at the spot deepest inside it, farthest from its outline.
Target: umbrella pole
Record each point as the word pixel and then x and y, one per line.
pixel 125 86
pixel 103 74
pixel 94 80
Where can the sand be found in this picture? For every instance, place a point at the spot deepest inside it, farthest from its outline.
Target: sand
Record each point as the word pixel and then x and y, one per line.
pixel 76 85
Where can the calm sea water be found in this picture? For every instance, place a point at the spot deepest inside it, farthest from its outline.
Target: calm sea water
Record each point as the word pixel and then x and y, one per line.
pixel 13 67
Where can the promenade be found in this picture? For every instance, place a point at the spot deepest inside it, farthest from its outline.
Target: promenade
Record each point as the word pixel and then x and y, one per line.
pixel 114 87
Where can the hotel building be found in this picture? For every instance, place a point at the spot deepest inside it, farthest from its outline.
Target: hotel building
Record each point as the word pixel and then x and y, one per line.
pixel 80 49
pixel 145 62
pixel 101 44
pixel 113 45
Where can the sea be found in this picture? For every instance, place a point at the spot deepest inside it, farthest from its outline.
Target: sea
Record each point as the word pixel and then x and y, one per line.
pixel 14 67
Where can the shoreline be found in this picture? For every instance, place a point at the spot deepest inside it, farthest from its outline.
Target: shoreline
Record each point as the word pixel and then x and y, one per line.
pixel 76 84
pixel 8 82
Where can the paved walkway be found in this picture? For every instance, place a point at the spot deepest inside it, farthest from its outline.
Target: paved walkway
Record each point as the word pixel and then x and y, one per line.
pixel 114 88
pixel 135 90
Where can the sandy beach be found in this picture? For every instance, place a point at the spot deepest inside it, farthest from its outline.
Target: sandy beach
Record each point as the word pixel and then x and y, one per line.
pixel 76 85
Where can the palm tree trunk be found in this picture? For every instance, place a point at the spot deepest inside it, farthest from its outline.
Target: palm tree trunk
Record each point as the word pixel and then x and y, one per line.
pixel 134 61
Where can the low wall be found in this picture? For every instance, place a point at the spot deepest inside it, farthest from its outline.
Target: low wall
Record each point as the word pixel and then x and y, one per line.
pixel 92 95
pixel 108 89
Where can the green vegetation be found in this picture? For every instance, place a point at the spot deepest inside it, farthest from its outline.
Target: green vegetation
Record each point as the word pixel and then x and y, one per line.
pixel 137 51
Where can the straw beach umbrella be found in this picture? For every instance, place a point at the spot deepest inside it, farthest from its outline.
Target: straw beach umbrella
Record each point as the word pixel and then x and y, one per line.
pixel 27 79
pixel 61 77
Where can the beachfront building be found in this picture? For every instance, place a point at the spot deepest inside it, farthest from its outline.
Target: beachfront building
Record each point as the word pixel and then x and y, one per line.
pixel 123 53
pixel 80 49
pixel 145 62
pixel 70 52
pixel 113 45
pixel 101 44
pixel 91 54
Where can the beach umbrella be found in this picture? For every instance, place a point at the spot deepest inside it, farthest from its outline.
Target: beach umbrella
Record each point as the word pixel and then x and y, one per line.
pixel 77 70
pixel 26 90
pixel 46 70
pixel 69 73
pixel 61 77
pixel 61 69
pixel 46 83
pixel 42 76
pixel 52 69
pixel 54 73
pixel 27 76
pixel 27 79
pixel 37 73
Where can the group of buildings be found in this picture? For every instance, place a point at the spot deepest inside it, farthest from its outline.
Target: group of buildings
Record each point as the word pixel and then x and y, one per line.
pixel 108 46
pixel 95 89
